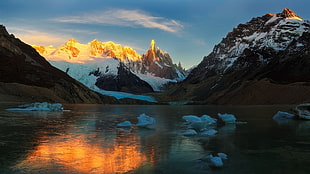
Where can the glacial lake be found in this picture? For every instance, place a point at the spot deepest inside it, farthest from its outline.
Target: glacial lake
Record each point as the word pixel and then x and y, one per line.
pixel 86 140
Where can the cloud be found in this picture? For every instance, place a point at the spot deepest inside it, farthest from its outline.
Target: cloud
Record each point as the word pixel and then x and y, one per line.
pixel 121 17
pixel 35 37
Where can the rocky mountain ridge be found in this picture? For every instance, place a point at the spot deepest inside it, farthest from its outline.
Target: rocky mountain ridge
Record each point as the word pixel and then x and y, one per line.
pixel 153 62
pixel 27 76
pixel 116 68
pixel 268 52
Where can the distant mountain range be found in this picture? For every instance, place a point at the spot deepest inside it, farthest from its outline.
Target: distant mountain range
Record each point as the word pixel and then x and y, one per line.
pixel 264 61
pixel 25 76
pixel 110 66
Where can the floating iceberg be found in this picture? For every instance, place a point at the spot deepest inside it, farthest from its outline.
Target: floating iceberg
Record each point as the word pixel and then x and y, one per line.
pixel 227 118
pixel 209 132
pixel 303 111
pixel 191 118
pixel 145 120
pixel 216 161
pixel 223 156
pixel 283 115
pixel 44 106
pixel 124 124
pixel 199 123
pixel 189 132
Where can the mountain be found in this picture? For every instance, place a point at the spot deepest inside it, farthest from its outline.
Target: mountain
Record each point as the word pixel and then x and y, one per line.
pixel 116 67
pixel 25 76
pixel 264 61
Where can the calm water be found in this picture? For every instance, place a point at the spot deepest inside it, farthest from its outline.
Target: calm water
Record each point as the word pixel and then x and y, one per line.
pixel 86 140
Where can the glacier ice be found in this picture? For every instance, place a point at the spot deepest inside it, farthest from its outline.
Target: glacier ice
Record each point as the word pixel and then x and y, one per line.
pixel 224 156
pixel 283 115
pixel 191 118
pixel 145 120
pixel 227 118
pixel 215 161
pixel 189 132
pixel 209 132
pixel 199 125
pixel 44 106
pixel 124 124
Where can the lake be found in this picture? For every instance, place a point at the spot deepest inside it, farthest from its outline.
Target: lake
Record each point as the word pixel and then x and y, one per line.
pixel 86 140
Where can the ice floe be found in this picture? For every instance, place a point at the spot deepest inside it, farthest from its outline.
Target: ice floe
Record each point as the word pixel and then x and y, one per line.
pixel 145 120
pixel 189 132
pixel 227 118
pixel 199 125
pixel 283 115
pixel 209 132
pixel 44 106
pixel 124 124
pixel 216 161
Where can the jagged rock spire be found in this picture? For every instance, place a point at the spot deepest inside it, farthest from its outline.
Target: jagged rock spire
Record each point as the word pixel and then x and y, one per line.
pixel 152 45
pixel 288 13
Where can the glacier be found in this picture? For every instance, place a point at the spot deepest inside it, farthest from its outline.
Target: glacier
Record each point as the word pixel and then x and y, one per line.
pixel 88 79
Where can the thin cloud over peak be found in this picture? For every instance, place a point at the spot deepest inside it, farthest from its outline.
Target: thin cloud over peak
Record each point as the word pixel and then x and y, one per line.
pixel 38 37
pixel 122 17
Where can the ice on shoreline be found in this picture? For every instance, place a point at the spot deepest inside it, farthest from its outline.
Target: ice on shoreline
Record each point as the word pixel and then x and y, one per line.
pixel 44 106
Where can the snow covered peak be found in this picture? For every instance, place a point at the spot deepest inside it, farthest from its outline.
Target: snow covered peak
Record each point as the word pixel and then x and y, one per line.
pixel 152 46
pixel 289 14
pixel 263 37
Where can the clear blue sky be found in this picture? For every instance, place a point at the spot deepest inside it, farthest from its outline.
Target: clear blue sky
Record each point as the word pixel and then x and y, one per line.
pixel 186 29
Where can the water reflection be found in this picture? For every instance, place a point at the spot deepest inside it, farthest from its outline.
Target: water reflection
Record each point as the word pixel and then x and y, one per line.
pixel 78 153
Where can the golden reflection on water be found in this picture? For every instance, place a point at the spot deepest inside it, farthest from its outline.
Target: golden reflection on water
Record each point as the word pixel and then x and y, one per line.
pixel 76 154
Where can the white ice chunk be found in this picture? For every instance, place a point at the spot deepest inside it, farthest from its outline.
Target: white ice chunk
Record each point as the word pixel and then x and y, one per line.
pixel 227 118
pixel 215 161
pixel 208 119
pixel 189 132
pixel 222 155
pixel 283 115
pixel 124 124
pixel 145 120
pixel 191 118
pixel 199 123
pixel 209 132
pixel 44 106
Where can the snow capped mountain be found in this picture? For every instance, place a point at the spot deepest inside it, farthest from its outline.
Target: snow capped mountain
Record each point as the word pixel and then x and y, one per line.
pixel 25 76
pixel 270 50
pixel 114 65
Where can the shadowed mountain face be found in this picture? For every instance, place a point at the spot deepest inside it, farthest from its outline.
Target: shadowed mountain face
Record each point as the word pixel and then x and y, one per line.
pixel 265 61
pixel 26 76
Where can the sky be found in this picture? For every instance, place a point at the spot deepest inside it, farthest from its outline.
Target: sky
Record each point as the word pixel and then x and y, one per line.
pixel 186 29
